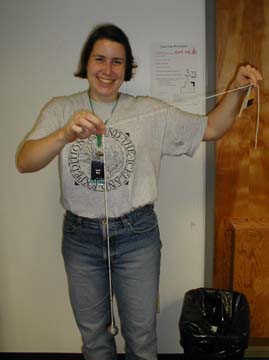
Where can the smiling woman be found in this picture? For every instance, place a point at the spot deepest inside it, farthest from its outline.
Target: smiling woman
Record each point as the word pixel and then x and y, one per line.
pixel 128 168
pixel 106 70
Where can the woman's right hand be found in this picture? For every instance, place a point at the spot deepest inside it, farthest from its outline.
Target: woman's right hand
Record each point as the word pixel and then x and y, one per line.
pixel 34 155
pixel 82 125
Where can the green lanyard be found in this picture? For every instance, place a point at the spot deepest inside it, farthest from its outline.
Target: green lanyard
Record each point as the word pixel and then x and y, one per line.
pixel 99 137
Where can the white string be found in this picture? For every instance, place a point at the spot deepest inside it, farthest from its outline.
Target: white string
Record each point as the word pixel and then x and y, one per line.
pixel 151 113
pixel 227 91
pixel 155 112
pixel 107 230
pixel 258 105
pixel 105 189
pixel 258 116
pixel 203 97
pixel 105 178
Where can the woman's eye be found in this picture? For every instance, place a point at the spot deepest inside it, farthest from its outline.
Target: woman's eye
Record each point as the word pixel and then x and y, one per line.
pixel 118 62
pixel 99 59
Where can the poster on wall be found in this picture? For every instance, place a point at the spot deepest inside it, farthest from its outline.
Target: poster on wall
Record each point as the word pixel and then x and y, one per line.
pixel 175 76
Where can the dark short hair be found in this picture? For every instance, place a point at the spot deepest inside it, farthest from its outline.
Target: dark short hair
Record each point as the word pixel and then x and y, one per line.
pixel 110 32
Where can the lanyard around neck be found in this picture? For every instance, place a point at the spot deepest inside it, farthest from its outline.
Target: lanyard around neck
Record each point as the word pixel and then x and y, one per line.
pixel 113 109
pixel 99 137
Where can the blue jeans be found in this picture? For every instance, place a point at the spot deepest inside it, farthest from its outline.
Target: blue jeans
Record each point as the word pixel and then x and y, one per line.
pixel 135 249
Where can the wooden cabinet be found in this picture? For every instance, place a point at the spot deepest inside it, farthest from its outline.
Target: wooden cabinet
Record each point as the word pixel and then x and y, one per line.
pixel 242 172
pixel 249 272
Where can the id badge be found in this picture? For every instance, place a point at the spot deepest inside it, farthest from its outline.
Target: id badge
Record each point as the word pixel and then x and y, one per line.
pixel 97 170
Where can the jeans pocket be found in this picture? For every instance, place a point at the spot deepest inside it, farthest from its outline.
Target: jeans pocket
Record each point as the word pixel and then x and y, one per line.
pixel 144 223
pixel 69 226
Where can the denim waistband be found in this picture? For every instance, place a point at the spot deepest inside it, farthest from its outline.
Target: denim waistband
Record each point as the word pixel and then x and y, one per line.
pixel 141 211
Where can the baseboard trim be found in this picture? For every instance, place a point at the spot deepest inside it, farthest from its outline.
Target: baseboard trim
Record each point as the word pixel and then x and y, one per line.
pixel 261 352
pixel 68 356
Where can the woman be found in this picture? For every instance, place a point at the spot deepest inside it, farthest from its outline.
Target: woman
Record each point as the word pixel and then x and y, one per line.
pixel 138 132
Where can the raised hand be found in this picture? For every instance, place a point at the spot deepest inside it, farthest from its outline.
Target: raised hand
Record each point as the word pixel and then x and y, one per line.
pixel 82 125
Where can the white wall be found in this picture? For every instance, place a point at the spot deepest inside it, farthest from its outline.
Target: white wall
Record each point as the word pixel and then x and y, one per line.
pixel 40 42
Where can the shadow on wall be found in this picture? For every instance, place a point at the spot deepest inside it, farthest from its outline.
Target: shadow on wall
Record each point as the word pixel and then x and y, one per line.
pixel 168 331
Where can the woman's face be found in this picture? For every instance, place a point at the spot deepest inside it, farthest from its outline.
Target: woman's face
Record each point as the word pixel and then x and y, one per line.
pixel 106 70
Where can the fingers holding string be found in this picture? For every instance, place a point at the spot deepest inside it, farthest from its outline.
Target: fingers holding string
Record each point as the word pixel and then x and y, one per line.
pixel 247 75
pixel 82 125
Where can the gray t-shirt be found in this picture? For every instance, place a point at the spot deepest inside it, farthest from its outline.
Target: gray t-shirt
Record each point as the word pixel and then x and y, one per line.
pixel 140 132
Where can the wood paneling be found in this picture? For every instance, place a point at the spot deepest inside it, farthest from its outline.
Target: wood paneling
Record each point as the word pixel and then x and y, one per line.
pixel 242 172
pixel 250 270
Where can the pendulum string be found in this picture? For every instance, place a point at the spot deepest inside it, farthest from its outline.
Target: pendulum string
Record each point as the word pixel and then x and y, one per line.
pixel 174 104
pixel 258 107
pixel 113 328
pixel 101 143
pixel 105 198
pixel 227 91
pixel 105 184
pixel 258 117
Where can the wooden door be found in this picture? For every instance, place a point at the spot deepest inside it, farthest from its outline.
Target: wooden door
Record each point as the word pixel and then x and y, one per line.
pixel 242 172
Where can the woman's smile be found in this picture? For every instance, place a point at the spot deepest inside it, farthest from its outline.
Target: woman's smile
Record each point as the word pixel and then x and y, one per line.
pixel 106 70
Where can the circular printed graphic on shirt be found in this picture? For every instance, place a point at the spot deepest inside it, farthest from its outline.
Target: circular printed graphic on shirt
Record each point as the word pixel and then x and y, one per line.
pixel 86 165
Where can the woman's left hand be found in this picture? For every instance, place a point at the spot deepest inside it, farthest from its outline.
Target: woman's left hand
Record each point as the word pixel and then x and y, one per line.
pixel 246 75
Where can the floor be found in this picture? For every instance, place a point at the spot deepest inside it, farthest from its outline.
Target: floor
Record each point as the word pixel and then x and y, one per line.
pixel 49 356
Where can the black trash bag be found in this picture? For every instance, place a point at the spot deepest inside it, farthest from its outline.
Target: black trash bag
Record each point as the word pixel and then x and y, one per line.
pixel 214 324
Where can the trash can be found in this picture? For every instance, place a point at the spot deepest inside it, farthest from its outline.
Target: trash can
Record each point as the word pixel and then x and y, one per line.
pixel 214 324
